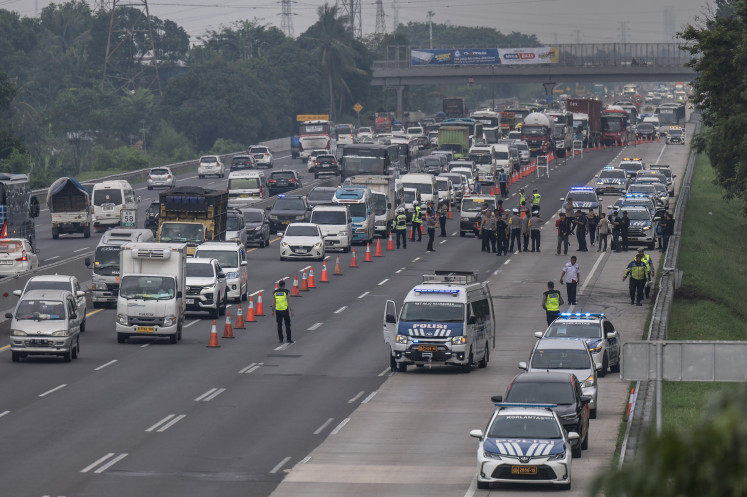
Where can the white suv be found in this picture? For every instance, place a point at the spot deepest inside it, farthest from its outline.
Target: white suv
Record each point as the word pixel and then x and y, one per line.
pixel 262 156
pixel 210 165
pixel 232 259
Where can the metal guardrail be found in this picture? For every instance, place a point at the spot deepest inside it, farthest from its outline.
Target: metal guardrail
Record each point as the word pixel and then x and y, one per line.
pixel 642 417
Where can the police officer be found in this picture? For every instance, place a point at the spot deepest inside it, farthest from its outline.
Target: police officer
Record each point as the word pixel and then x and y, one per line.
pixel 503 183
pixel 487 232
pixel 551 302
pixel 522 197
pixel 416 221
pixel 282 311
pixel 400 227
pixel 536 198
pixel 514 224
pixel 443 212
pixel 535 225
pixel 647 260
pixel 501 233
pixel 638 272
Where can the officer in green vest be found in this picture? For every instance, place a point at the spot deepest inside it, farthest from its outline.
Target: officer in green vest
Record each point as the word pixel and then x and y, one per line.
pixel 639 275
pixel 400 227
pixel 282 311
pixel 536 197
pixel 647 260
pixel 551 302
pixel 416 221
pixel 522 197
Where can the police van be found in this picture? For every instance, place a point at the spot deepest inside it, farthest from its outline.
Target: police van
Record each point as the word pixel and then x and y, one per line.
pixel 448 319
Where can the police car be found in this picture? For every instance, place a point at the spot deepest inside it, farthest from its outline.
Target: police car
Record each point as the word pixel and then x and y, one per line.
pixel 611 180
pixel 524 443
pixel 584 198
pixel 632 165
pixel 676 134
pixel 642 230
pixel 596 330
pixel 635 200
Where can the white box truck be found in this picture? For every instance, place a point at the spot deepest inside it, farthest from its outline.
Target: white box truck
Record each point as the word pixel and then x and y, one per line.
pixel 388 195
pixel 151 291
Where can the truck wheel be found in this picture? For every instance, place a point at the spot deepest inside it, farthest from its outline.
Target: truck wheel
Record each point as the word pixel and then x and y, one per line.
pixel 55 234
pixel 122 337
pixel 173 338
pixel 605 364
pixel 484 361
pixel 245 296
pixel 87 233
pixel 392 361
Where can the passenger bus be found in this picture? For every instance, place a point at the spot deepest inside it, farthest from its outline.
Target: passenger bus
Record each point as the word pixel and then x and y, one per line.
pixel 18 208
pixel 368 158
pixel 315 135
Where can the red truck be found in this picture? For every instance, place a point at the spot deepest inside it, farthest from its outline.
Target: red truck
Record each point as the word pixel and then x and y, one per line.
pixel 383 122
pixel 615 126
pixel 587 120
pixel 538 131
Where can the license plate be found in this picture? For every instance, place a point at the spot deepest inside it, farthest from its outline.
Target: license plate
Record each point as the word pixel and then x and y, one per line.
pixel 284 222
pixel 146 329
pixel 301 251
pixel 523 470
pixel 108 208
pixel 39 342
pixel 427 348
pixel 244 196
pixel 6 262
pixel 190 301
pixel 610 187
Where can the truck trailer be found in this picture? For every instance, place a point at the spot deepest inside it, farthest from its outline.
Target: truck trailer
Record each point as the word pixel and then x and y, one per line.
pixel 587 120
pixel 70 206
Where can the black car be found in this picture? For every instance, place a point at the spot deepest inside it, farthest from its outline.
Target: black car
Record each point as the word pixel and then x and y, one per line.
pixel 325 165
pixel 288 209
pixel 283 181
pixel 243 162
pixel 257 226
pixel 321 195
pixel 561 389
pixel 152 213
pixel 646 130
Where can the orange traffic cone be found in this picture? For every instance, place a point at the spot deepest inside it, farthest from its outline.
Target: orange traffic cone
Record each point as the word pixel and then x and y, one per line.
pixel 227 329
pixel 276 285
pixel 449 216
pixel 338 269
pixel 304 282
pixel 324 278
pixel 250 312
pixel 260 311
pixel 658 139
pixel 378 248
pixel 367 258
pixel 213 343
pixel 312 281
pixel 240 319
pixel 294 288
pixel 390 243
pixel 353 261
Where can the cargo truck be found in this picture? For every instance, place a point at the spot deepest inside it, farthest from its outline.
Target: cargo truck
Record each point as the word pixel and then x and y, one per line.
pixel 615 126
pixel 454 139
pixel 192 215
pixel 382 122
pixel 387 197
pixel 70 206
pixel 151 291
pixel 538 131
pixel 587 120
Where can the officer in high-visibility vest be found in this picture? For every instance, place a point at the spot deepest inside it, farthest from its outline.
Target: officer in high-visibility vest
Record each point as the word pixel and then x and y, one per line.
pixel 416 221
pixel 638 272
pixel 522 197
pixel 400 227
pixel 282 310
pixel 647 260
pixel 551 302
pixel 536 197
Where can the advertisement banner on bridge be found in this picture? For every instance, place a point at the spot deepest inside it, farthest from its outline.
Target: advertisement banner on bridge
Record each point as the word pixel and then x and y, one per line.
pixel 483 56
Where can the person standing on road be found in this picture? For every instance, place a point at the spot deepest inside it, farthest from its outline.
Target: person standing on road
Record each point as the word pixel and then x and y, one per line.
pixel 563 226
pixel 616 221
pixel 571 276
pixel 624 226
pixel 581 223
pixel 501 233
pixel 536 198
pixel 551 302
pixel 443 212
pixel 568 207
pixel 514 224
pixel 638 272
pixel 430 223
pixel 593 218
pixel 416 221
pixel 503 183
pixel 522 197
pixel 400 227
pixel 604 230
pixel 487 231
pixel 525 231
pixel 535 224
pixel 282 310
pixel 647 261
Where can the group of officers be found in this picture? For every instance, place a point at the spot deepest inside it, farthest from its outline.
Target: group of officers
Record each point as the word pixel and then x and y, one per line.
pixel 501 230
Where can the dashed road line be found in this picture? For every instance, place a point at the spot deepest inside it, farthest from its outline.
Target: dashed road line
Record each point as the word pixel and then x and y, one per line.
pixel 368 399
pixel 507 261
pixel 398 271
pixel 362 295
pixel 338 311
pixel 210 394
pixel 279 465
pixel 247 368
pixel 416 259
pixel 166 423
pixel 4 413
pixel 110 463
pixel 105 365
pixel 82 249
pixel 321 428
pixel 442 242
pixel 383 282
pixel 340 426
pixel 315 326
pixel 191 323
pixel 52 258
pixel 357 396
pixel 102 460
pixel 53 390
pixel 386 370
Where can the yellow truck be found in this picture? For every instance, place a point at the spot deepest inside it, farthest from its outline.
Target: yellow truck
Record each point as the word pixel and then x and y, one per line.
pixel 192 215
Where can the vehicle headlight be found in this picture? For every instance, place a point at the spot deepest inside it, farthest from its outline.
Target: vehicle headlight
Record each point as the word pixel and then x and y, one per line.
pixel 300 218
pixel 458 340
pixel 342 233
pixel 99 286
pixel 646 228
pixel 318 245
pixel 491 455
pixel 123 319
pixel 284 244
pixel 401 339
pixel 59 333
pixel 568 416
pixel 595 350
pixel 233 274
pixel 258 228
pixel 18 333
pixel 588 382
pixel 556 457
pixel 169 320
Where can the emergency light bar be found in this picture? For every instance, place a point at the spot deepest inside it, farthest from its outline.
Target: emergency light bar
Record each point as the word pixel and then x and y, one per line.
pixel 512 404
pixel 610 167
pixel 453 292
pixel 281 196
pixel 582 188
pixel 634 158
pixel 637 195
pixel 582 314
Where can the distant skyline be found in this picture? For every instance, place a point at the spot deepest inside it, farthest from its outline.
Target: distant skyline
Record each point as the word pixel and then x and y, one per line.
pixel 553 21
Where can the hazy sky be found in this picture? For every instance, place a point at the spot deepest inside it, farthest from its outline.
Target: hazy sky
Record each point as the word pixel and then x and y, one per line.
pixel 553 21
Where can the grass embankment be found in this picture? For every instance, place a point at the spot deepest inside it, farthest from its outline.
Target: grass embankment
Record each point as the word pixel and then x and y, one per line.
pixel 710 304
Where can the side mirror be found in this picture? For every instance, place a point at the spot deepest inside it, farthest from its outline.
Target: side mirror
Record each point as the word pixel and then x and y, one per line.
pixel 612 334
pixel 472 320
pixel 8 315
pixel 221 276
pixel 17 293
pixel 585 399
pixel 268 208
pixel 523 365
pixel 496 398
pixel 390 318
pixel 87 261
pixel 538 334
pixel 244 263
pixel 572 435
pixel 79 293
pixel 476 434
pixel 598 366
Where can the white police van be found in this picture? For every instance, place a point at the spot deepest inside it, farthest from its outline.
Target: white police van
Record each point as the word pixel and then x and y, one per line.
pixel 448 318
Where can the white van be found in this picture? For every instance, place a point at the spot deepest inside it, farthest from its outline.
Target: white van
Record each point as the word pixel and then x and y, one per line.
pixel 425 184
pixel 245 187
pixel 502 158
pixel 107 201
pixel 336 225
pixel 448 318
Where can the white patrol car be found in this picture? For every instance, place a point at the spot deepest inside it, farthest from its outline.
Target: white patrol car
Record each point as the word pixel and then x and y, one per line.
pixel 596 330
pixel 642 230
pixel 448 318
pixel 584 198
pixel 632 166
pixel 611 180
pixel 676 134
pixel 524 443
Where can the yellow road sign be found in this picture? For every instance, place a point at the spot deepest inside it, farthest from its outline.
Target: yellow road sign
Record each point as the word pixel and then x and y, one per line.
pixel 357 107
pixel 312 117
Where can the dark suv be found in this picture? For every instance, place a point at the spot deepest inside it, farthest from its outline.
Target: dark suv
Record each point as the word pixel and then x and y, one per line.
pixel 243 162
pixel 283 181
pixel 325 165
pixel 561 389
pixel 288 209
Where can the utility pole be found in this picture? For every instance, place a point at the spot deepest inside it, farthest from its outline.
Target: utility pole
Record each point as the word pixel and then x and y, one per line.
pixel 380 18
pixel 286 18
pixel 395 15
pixel 430 27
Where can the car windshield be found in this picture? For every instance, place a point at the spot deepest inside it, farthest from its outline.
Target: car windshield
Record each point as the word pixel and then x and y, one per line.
pixel 253 217
pixel 639 188
pixel 200 270
pixel 101 197
pixel 106 256
pixel 632 166
pixel 41 310
pixel 410 196
pixel 639 215
pixel 531 131
pixel 48 285
pixel 358 210
pixel 301 231
pixel 422 188
pixel 560 359
pixel 240 159
pixel 289 204
pixel 226 258
pixel 636 203
pixel 574 330
pixel 481 158
pixel 147 287
pixel 522 146
pixel 182 232
pixel 612 174
pixel 233 223
pixel 443 185
pixel 283 175
pixel 583 197
pixel 328 217
pixel 243 183
pixel 318 194
pixel 540 392
pixel 675 132
pixel 10 246
pixel 208 160
pixel 456 179
pixel 475 205
pixel 466 173
pixel 436 312
pixel 525 427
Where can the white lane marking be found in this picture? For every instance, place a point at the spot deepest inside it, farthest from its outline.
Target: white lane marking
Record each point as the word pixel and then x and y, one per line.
pixel 110 463
pixel 4 413
pixel 171 423
pixel 280 465
pixel 209 392
pixel 191 323
pixel 305 460
pixel 338 311
pixel 254 368
pixel 368 399
pixel 211 397
pixel 496 272
pixel 386 370
pixel 145 345
pixel 398 271
pixel 315 326
pixel 357 396
pixel 362 295
pixel 96 463
pixel 383 282
pixel 416 259
pixel 327 257
pixel 105 365
pixel 52 258
pixel 82 249
pixel 321 428
pixel 282 347
pixel 161 422
pixel 455 233
pixel 247 368
pixel 339 427
pixel 507 261
pixel 53 390
pixel 658 159
pixel 442 242
pixel 594 268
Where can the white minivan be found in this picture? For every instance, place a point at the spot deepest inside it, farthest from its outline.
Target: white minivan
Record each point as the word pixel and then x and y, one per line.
pixel 244 187
pixel 107 201
pixel 336 225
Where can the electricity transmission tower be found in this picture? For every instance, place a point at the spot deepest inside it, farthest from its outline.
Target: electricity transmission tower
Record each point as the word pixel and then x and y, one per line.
pixel 380 18
pixel 100 5
pixel 131 61
pixel 395 15
pixel 286 19
pixel 352 9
